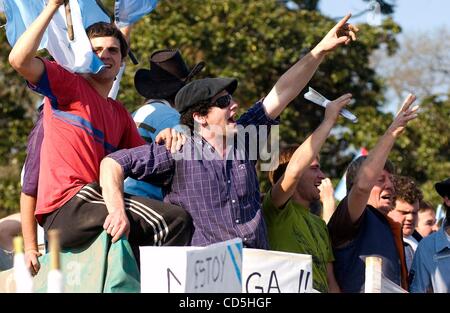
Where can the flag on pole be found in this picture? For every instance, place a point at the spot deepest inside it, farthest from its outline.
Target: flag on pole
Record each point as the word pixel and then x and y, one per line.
pixel 341 189
pixel 75 56
pixel 128 12
pixel 440 214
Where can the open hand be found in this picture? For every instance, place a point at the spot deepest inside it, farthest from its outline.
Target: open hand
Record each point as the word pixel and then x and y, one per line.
pixel 406 114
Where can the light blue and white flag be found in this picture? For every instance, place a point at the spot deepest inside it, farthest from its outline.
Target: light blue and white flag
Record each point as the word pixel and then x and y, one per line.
pixel 76 55
pixel 128 12
pixel 341 189
pixel 440 214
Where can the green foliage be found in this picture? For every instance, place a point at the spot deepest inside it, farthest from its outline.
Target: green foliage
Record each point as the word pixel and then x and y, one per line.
pixel 16 105
pixel 256 42
pixel 424 152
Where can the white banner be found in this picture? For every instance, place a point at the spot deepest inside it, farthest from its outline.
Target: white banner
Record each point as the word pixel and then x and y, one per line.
pixel 214 268
pixel 276 272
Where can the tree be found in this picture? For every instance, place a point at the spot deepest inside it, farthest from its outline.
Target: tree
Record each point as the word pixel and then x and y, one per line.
pixel 256 41
pixel 425 68
pixel 16 107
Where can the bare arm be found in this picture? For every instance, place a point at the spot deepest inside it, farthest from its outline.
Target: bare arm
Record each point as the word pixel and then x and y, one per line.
pixel 29 232
pixel 372 167
pixel 305 154
pixel 295 79
pixel 111 180
pixel 22 57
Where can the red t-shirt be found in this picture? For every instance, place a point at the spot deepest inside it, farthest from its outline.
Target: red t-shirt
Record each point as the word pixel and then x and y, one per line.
pixel 80 129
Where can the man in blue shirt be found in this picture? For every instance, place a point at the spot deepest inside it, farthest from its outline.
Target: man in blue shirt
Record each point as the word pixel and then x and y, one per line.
pixel 430 270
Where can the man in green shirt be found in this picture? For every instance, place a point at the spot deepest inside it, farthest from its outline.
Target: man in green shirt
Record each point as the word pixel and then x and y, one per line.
pixel 291 227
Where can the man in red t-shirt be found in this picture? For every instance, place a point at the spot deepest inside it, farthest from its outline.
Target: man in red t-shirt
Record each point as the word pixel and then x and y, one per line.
pixel 82 125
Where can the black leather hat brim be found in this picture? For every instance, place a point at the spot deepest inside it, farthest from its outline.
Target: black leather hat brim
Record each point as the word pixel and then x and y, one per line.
pixel 151 87
pixel 443 188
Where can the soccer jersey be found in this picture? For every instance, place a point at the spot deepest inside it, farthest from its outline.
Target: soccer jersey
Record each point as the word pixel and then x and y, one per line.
pixel 81 127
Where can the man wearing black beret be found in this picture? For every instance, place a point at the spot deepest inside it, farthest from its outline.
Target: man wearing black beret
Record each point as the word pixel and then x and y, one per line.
pixel 210 177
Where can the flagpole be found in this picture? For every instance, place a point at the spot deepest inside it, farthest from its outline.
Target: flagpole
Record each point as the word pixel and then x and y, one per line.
pixel 69 19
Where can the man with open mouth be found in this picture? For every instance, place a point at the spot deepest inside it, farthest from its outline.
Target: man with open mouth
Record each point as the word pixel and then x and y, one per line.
pixel 360 226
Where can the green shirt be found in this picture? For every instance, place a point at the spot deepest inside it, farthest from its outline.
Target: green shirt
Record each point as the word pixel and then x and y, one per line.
pixel 295 229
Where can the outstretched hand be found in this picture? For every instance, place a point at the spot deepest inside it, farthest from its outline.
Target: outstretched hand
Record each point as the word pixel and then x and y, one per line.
pixel 335 106
pixel 341 33
pixel 406 114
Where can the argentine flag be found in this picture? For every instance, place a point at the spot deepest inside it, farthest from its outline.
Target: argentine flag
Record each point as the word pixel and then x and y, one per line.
pixel 128 12
pixel 75 56
pixel 341 189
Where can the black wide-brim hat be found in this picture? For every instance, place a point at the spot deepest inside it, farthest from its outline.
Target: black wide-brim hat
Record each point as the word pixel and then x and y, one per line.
pixel 168 73
pixel 443 188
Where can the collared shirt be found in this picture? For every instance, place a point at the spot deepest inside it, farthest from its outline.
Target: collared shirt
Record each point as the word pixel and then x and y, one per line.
pixel 430 269
pixel 150 119
pixel 222 195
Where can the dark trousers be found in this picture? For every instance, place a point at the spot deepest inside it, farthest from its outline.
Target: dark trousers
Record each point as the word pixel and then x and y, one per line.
pixel 152 222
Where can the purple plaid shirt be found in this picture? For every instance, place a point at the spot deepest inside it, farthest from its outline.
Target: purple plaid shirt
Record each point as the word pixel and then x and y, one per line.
pixel 222 196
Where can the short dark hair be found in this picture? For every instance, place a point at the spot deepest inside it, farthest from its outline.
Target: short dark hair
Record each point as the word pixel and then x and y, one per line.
pixel 425 206
pixel 406 189
pixel 353 169
pixel 103 29
pixel 283 161
pixel 187 118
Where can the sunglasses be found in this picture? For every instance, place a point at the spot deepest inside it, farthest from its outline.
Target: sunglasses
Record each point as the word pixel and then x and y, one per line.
pixel 222 102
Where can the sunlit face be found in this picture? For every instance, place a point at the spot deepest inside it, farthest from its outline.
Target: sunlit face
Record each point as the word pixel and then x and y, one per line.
pixel 221 121
pixel 406 214
pixel 108 50
pixel 383 193
pixel 426 222
pixel 308 184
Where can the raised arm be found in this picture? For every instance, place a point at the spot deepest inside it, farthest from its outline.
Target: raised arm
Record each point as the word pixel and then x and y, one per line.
pixel 373 166
pixel 305 154
pixel 23 55
pixel 295 79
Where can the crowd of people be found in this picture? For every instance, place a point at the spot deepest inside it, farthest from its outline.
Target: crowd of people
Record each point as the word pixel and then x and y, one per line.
pixel 172 173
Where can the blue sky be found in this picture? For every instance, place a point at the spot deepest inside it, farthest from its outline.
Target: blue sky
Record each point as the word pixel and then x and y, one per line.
pixel 412 15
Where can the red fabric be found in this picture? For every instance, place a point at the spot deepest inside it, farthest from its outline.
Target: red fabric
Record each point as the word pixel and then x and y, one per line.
pixel 80 128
